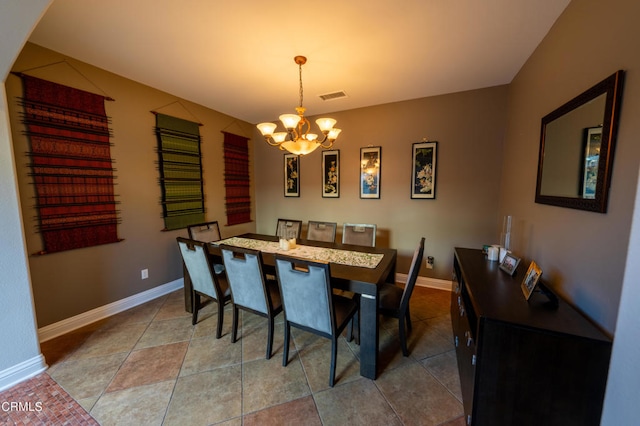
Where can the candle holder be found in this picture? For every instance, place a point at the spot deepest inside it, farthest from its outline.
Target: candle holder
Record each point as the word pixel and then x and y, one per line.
pixel 505 236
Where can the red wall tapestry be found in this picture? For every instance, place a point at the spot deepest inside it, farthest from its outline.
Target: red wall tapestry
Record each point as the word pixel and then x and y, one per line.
pixel 71 165
pixel 236 179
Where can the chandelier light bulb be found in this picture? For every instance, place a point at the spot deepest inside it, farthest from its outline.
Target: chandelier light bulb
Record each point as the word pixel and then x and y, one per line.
pixel 267 129
pixel 325 124
pixel 279 137
pixel 333 134
pixel 289 121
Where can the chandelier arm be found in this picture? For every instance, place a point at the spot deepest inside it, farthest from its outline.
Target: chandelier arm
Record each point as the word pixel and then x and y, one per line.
pixel 326 146
pixel 270 141
pixel 303 121
pixel 293 134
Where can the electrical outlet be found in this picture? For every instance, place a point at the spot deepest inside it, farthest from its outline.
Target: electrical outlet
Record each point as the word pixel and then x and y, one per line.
pixel 429 262
pixel 144 274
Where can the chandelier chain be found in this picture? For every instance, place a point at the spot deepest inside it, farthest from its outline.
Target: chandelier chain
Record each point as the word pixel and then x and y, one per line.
pixel 301 91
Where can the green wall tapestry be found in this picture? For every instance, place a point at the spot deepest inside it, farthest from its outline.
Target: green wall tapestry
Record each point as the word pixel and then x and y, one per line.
pixel 180 164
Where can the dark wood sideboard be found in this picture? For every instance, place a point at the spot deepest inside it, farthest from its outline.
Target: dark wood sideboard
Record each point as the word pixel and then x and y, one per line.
pixel 536 362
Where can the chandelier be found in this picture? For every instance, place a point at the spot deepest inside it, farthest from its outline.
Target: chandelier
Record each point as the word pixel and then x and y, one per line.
pixel 297 139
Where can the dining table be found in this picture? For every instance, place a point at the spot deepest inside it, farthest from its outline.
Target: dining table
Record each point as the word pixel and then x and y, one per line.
pixel 358 269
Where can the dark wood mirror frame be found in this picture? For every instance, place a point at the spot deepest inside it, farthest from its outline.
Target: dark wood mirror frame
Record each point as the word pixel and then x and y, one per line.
pixel 612 88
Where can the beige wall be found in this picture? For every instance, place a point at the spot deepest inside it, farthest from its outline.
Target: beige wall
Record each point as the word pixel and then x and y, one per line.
pixel 582 254
pixel 69 283
pixel 469 128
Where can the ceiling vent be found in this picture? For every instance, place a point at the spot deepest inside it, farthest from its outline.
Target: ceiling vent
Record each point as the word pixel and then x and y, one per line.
pixel 334 95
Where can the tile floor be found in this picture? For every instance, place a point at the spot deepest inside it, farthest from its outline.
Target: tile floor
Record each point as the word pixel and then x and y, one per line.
pixel 150 366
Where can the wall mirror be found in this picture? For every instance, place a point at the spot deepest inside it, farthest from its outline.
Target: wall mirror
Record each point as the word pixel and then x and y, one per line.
pixel 577 143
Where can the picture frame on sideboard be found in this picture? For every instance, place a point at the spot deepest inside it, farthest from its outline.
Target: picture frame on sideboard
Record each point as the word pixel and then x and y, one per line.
pixel 509 263
pixel 530 279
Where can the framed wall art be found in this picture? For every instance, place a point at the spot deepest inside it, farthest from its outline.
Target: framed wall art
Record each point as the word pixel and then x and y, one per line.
pixel 330 174
pixel 370 172
pixel 423 170
pixel 291 175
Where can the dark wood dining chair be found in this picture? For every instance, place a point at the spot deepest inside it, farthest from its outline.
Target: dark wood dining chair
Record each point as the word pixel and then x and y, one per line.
pixel 204 281
pixel 361 234
pixel 321 231
pixel 207 232
pixel 251 291
pixel 288 228
pixel 309 303
pixel 393 300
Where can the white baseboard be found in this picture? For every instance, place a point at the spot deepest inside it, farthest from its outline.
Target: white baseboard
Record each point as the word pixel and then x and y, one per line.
pixel 427 282
pixel 23 371
pixel 50 331
pixel 67 325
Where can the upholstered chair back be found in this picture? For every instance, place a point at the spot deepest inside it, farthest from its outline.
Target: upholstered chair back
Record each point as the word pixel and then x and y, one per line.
pixel 206 232
pixel 321 231
pixel 359 234
pixel 197 262
pixel 306 293
pixel 244 273
pixel 288 228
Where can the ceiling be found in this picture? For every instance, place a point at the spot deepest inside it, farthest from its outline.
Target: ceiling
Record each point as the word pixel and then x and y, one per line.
pixel 236 57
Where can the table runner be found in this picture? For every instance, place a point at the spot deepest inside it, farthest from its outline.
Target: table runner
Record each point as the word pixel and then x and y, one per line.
pixel 343 257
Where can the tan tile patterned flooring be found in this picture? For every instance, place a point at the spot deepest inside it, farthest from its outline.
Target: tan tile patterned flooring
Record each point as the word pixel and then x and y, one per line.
pixel 150 366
